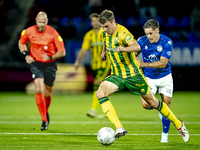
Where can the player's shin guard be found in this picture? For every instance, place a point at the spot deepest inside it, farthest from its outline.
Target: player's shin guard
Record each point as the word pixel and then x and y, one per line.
pixel 48 102
pixel 95 102
pixel 41 106
pixel 167 113
pixel 166 123
pixel 109 111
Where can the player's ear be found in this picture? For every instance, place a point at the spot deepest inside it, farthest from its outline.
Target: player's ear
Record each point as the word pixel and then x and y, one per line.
pixel 157 30
pixel 113 22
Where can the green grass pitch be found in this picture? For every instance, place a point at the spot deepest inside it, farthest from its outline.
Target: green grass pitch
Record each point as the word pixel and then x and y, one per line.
pixel 70 128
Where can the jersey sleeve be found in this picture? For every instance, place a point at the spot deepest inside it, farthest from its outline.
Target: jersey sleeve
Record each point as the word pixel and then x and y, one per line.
pixel 127 37
pixel 139 40
pixel 24 37
pixel 59 42
pixel 86 42
pixel 167 51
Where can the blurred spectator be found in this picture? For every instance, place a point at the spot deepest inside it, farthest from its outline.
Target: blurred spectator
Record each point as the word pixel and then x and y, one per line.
pixel 195 19
pixel 68 31
pixel 3 17
pixel 32 13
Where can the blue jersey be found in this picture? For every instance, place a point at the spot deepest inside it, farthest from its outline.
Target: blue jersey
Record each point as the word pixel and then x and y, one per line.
pixel 152 52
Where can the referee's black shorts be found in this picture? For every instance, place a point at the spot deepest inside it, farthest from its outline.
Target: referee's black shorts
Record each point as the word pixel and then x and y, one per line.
pixel 47 71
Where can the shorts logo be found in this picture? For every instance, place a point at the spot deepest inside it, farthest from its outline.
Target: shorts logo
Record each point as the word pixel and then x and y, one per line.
pixel 142 91
pixel 159 48
pixel 33 76
pixel 139 85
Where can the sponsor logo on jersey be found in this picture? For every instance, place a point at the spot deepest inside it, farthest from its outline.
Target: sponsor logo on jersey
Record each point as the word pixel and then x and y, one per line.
pixel 97 44
pixel 152 58
pixel 111 49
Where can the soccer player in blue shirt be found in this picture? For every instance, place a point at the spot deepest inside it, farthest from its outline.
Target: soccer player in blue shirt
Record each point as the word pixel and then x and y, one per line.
pixel 156 50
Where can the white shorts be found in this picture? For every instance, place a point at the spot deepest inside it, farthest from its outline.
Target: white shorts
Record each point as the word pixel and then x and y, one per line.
pixel 163 85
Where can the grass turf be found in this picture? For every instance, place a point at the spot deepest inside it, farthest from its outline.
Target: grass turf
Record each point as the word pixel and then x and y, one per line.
pixel 70 128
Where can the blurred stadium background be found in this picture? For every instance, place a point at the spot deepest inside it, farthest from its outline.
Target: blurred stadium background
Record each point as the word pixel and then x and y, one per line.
pixel 179 20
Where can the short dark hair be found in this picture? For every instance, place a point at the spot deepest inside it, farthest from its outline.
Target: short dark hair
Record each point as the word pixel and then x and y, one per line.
pixel 151 23
pixel 106 15
pixel 96 15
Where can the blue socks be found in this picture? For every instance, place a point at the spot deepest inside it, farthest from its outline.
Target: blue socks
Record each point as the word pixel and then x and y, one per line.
pixel 165 122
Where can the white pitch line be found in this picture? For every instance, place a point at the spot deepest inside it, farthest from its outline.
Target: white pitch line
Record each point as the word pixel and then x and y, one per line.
pixel 87 122
pixel 86 134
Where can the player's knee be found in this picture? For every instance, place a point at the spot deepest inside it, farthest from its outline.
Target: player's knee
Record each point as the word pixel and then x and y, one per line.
pixel 100 94
pixel 38 90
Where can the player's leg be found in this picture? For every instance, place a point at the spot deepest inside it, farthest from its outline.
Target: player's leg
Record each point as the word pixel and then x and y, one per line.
pixel 38 77
pixel 95 102
pixel 49 77
pixel 166 92
pixel 166 123
pixel 40 101
pixel 48 98
pixel 105 90
pixel 167 113
pixel 153 88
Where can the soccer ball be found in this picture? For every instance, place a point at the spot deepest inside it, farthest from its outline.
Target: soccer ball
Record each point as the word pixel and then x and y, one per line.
pixel 106 136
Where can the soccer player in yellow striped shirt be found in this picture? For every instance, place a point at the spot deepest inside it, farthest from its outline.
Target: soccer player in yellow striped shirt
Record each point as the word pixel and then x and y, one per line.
pixel 120 46
pixel 100 68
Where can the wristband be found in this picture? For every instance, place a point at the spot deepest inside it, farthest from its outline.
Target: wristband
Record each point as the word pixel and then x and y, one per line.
pixel 50 57
pixel 25 53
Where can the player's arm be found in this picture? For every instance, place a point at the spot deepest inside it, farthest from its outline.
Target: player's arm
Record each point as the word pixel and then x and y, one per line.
pixel 23 49
pixel 103 53
pixel 133 47
pixel 59 44
pixel 58 55
pixel 158 64
pixel 80 56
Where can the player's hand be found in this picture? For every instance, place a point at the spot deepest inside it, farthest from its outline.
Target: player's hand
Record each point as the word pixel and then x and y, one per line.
pixel 142 64
pixel 103 56
pixel 120 49
pixel 45 57
pixel 97 81
pixel 76 65
pixel 29 59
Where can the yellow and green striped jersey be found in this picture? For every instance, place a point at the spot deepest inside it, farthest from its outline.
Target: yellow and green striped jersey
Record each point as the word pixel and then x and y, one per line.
pixel 93 42
pixel 123 64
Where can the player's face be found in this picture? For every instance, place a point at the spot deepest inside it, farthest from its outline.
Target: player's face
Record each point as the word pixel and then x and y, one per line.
pixel 109 27
pixel 41 23
pixel 152 35
pixel 95 23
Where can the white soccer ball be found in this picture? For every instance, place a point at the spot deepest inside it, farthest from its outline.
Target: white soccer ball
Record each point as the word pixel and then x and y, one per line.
pixel 106 136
